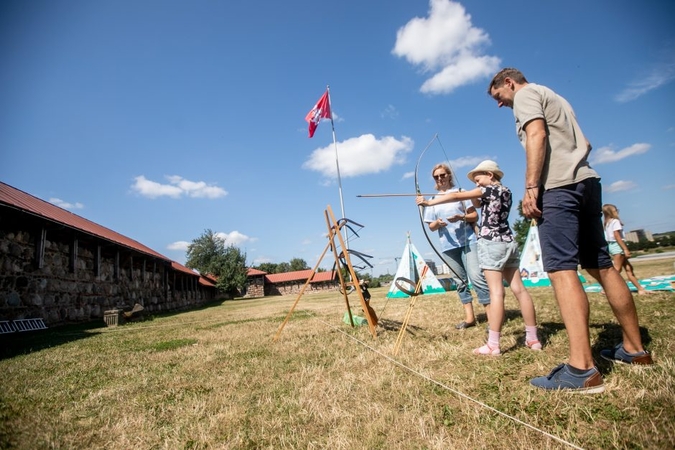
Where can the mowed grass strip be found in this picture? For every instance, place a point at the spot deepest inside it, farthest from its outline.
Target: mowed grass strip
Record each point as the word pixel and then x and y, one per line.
pixel 215 379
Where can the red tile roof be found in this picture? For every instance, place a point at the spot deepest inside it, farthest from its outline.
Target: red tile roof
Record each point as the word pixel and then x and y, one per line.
pixel 15 198
pixel 299 275
pixel 253 272
pixel 324 276
pixel 211 277
pixel 182 268
pixel 206 282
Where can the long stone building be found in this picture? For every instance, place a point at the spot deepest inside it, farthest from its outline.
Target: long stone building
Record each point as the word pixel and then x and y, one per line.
pixel 60 267
pixel 261 284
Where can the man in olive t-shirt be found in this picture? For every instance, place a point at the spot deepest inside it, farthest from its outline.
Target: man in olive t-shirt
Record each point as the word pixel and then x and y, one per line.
pixel 564 194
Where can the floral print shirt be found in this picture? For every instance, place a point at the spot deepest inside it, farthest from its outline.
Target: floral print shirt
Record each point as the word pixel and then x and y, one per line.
pixel 495 208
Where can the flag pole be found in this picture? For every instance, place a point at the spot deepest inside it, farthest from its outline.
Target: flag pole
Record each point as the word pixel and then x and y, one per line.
pixel 337 165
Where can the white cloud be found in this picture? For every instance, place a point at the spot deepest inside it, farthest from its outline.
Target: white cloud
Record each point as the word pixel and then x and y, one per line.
pixel 235 238
pixel 178 245
pixel 658 76
pixel 360 156
pixel 390 112
pixel 469 161
pixel 604 155
pixel 465 70
pixel 620 185
pixel 65 205
pixel 448 45
pixel 261 259
pixel 178 187
pixel 197 189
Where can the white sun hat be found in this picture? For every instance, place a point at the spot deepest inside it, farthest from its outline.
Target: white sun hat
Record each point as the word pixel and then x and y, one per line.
pixel 486 166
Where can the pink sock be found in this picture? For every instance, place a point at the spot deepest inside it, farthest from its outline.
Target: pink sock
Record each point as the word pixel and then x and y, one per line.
pixel 493 338
pixel 531 333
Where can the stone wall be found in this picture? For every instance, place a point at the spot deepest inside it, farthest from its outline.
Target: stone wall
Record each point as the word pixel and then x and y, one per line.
pixel 294 287
pixel 255 286
pixel 62 289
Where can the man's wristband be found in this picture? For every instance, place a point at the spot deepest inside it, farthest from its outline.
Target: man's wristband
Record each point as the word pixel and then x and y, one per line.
pixel 531 187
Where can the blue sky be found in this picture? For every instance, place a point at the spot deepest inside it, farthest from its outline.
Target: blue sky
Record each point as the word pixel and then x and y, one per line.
pixel 160 119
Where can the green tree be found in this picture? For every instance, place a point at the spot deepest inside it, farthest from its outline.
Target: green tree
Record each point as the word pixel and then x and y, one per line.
pixel 208 255
pixel 283 267
pixel 267 267
pixel 364 276
pixel 204 251
pixel 646 244
pixel 521 227
pixel 298 264
pixel 230 268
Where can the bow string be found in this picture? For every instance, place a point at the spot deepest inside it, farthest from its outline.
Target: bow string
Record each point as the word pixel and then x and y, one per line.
pixel 420 208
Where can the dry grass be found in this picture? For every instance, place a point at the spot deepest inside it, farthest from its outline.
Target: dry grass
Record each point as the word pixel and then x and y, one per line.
pixel 213 378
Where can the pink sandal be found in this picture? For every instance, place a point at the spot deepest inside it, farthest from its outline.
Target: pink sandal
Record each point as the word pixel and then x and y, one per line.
pixel 487 350
pixel 534 345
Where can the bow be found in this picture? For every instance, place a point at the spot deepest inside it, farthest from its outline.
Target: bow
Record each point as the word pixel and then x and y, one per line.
pixel 420 208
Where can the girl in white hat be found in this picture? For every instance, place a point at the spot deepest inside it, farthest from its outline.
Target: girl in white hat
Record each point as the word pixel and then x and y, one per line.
pixel 497 252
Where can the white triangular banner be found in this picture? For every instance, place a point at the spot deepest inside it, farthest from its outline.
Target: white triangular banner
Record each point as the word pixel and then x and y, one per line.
pixel 412 264
pixel 531 266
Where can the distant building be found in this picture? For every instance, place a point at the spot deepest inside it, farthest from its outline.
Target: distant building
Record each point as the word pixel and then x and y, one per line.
pixel 444 269
pixel 638 235
pixel 261 284
pixel 432 266
pixel 60 267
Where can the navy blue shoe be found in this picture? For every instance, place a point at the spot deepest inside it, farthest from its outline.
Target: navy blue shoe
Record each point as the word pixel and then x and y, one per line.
pixel 562 379
pixel 620 355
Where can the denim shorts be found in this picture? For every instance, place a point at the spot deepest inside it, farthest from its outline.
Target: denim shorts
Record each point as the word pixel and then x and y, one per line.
pixel 498 255
pixel 615 248
pixel 570 227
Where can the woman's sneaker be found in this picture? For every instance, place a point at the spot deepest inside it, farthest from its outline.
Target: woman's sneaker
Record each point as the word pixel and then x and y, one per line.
pixel 620 355
pixel 561 378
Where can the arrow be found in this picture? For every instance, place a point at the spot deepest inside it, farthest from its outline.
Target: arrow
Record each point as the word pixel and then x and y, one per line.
pixel 394 195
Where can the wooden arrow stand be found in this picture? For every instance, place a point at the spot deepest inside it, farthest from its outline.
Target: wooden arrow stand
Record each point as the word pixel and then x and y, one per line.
pixel 406 318
pixel 341 259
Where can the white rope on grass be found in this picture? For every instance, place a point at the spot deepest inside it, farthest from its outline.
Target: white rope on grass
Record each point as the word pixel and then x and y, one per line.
pixel 374 350
pixel 455 391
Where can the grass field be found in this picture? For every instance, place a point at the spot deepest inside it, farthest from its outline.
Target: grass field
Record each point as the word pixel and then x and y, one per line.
pixel 215 379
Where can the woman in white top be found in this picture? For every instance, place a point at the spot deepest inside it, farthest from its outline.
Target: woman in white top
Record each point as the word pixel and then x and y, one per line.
pixel 617 247
pixel 454 223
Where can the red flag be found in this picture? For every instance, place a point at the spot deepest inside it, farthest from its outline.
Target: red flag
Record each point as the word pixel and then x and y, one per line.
pixel 320 111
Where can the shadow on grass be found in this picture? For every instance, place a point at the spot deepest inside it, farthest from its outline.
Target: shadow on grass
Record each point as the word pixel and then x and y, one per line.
pixel 15 344
pixel 161 314
pixel 609 336
pixel 548 330
pixel 395 325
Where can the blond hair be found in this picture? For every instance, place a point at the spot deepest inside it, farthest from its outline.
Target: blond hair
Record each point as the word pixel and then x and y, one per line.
pixel 610 212
pixel 445 167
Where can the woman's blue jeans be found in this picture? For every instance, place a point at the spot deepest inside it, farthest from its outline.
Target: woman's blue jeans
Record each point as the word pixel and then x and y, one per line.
pixel 464 262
